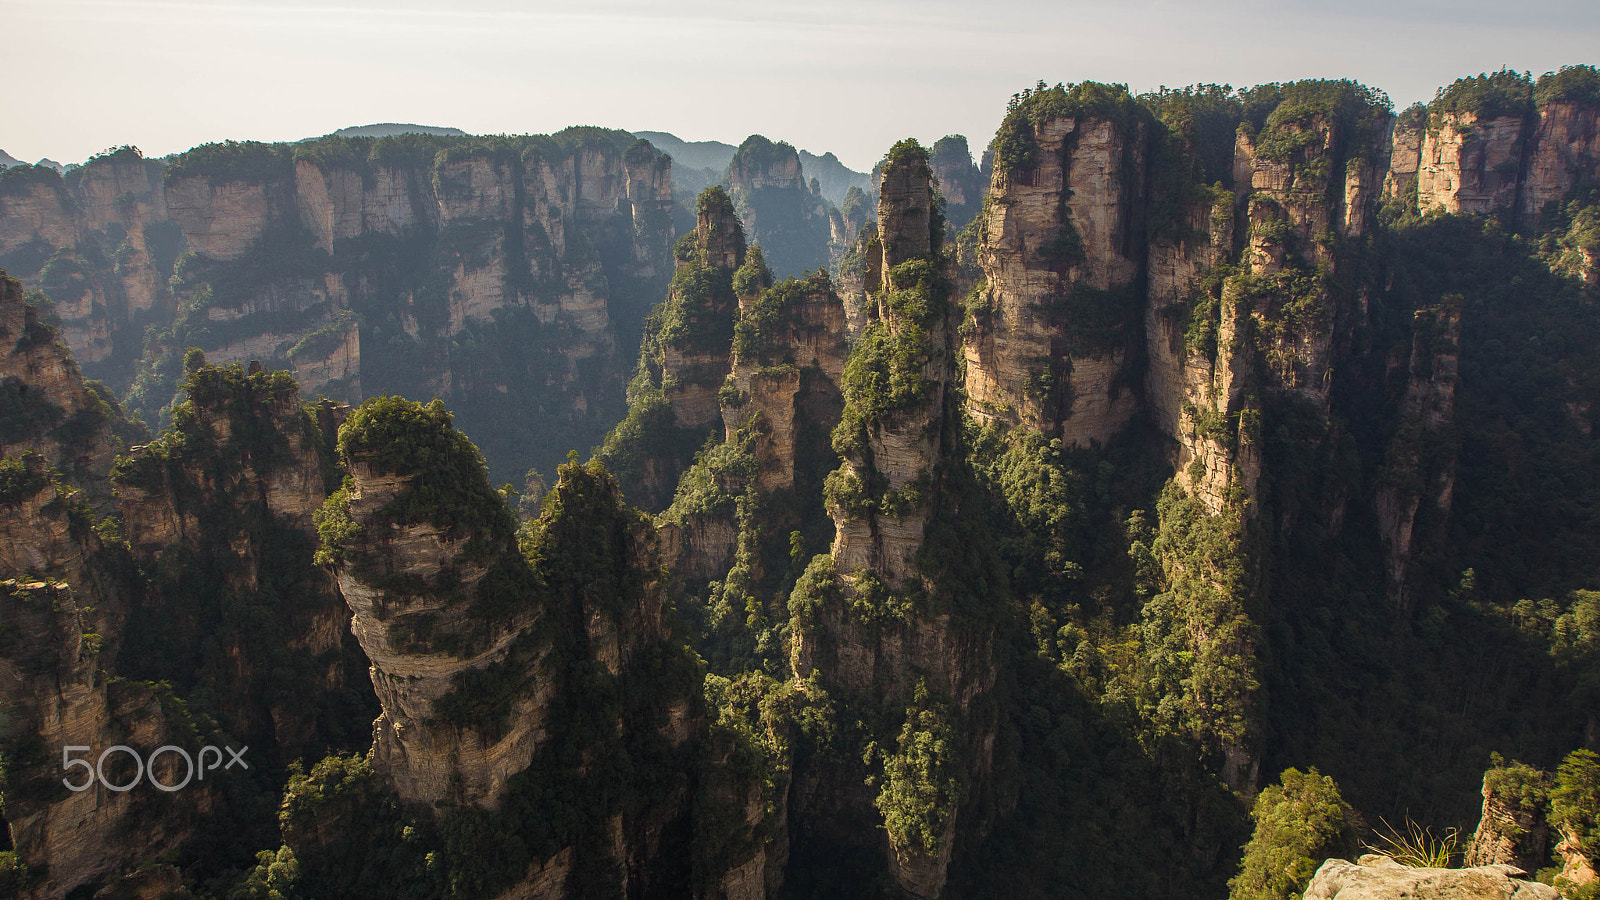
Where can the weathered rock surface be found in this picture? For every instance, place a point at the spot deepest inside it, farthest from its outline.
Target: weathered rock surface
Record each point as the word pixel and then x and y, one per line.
pixel 408 590
pixel 777 206
pixel 1470 165
pixel 1508 833
pixel 1061 235
pixel 905 447
pixel 64 601
pixel 457 618
pixel 1417 470
pixel 693 367
pixel 959 181
pixel 1564 151
pixel 898 459
pixel 359 265
pixel 248 525
pixel 55 414
pixel 1381 878
pixel 797 366
pixel 1405 156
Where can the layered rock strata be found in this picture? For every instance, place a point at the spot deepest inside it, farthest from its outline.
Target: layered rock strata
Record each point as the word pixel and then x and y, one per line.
pixel 498 273
pixel 411 587
pixel 779 209
pixel 50 411
pixel 64 603
pixel 870 640
pixel 1472 165
pixel 1062 250
pixel 1381 878
pixel 219 513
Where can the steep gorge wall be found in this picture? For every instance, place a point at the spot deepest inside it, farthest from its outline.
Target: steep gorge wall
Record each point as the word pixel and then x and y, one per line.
pixel 865 624
pixel 479 270
pixel 65 598
pixel 1061 255
pixel 778 207
pixel 508 674
pixel 219 515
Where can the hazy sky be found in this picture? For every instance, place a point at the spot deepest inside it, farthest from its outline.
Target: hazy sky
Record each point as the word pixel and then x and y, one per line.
pixel 851 77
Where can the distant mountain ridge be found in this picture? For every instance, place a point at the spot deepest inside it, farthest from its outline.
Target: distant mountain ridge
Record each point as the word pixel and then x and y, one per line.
pixel 694 154
pixel 833 176
pixel 390 129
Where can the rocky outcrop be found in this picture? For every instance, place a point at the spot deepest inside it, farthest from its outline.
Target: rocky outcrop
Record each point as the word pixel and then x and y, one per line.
pixel 1405 153
pixel 1062 249
pixel 1500 142
pixel 1381 878
pixel 779 210
pixel 1471 165
pixel 421 610
pixel 959 181
pixel 1577 869
pixel 505 678
pixel 1196 359
pixel 790 350
pixel 58 693
pixel 694 357
pixel 64 603
pixel 49 410
pixel 1510 832
pixel 674 400
pixel 1421 460
pixel 1564 151
pixel 219 512
pixel 897 449
pixel 478 654
pixel 860 626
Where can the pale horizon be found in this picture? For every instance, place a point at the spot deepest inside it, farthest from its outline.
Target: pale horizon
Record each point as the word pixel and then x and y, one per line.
pixel 167 75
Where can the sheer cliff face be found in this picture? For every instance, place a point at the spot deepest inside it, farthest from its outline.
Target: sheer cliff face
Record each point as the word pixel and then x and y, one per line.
pixel 522 229
pixel 1522 162
pixel 50 411
pixel 61 627
pixel 1062 247
pixel 872 639
pixel 1194 348
pixel 1405 152
pixel 790 350
pixel 1471 165
pixel 898 447
pixel 503 276
pixel 64 599
pixel 219 513
pixel 777 206
pixel 1565 151
pixel 1419 478
pixel 100 241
